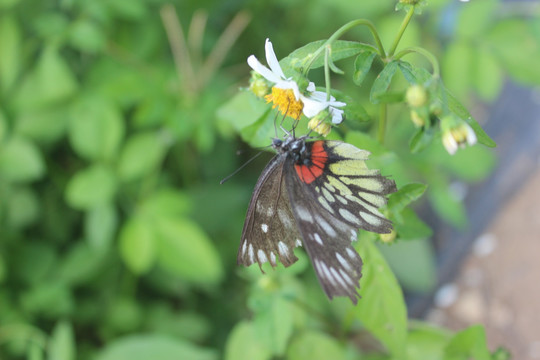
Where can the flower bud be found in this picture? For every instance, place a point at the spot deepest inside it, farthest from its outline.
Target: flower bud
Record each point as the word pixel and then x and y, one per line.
pixel 416 96
pixel 417 119
pixel 388 238
pixel 456 134
pixel 319 125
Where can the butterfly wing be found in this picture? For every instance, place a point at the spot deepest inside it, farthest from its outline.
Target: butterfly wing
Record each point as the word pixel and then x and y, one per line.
pixel 332 195
pixel 270 229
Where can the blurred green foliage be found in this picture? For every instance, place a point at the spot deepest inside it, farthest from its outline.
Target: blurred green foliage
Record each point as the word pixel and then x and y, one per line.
pixel 116 241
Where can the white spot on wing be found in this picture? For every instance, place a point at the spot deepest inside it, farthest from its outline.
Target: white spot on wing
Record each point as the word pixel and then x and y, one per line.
pixel 285 219
pixel 325 204
pixel 264 228
pixel 270 211
pixel 353 235
pixel 283 249
pixel 337 277
pixel 244 246
pixel 298 242
pixel 303 214
pixel 273 258
pixel 317 238
pixel 251 253
pixel 326 273
pixel 343 262
pixel 346 277
pixel 327 195
pixel 347 215
pixel 326 226
pixel 262 256
pixel 351 253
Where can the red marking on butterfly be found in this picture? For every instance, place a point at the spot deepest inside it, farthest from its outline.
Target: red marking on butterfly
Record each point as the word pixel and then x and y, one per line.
pixel 319 157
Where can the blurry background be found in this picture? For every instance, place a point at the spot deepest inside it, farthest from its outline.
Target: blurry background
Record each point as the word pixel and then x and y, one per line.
pixel 115 235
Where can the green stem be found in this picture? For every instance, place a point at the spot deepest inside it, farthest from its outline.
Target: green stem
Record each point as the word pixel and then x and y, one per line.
pixel 327 72
pixel 431 58
pixel 382 123
pixel 402 28
pixel 339 32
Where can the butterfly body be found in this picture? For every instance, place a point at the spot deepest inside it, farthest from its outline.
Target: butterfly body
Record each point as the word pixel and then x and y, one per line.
pixel 316 194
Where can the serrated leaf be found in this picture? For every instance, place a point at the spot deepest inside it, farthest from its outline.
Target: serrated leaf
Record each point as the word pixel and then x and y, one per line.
pixel 382 307
pixel 467 344
pixel 243 344
pixel 405 196
pixel 20 160
pixel 138 245
pixel 315 345
pixel 96 128
pixel 382 82
pixel 155 347
pixel 61 345
pixel 91 187
pixel 186 251
pixel 362 65
pixel 341 49
pixel 140 156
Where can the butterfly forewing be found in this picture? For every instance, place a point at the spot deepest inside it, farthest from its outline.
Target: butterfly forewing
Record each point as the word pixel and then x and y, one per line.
pixel 270 229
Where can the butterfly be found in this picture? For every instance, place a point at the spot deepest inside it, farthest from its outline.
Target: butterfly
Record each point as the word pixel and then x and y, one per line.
pixel 316 194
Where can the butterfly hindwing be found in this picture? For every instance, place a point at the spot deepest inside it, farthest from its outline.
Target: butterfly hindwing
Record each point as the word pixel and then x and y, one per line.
pixel 327 241
pixel 270 229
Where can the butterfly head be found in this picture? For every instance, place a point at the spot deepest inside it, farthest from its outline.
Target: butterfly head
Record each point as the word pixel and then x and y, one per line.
pixel 291 146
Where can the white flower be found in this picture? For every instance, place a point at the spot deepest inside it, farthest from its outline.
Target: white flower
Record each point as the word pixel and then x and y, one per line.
pixel 311 104
pixel 315 102
pixel 274 74
pixel 458 136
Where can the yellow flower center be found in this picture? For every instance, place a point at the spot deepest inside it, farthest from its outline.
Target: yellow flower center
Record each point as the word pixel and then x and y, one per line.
pixel 459 134
pixel 285 101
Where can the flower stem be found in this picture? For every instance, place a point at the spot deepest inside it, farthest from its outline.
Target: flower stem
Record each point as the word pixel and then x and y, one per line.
pixel 431 58
pixel 402 28
pixel 382 123
pixel 327 72
pixel 339 32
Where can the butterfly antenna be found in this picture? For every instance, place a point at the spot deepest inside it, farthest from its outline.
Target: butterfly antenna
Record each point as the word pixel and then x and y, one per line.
pixel 283 119
pixel 241 167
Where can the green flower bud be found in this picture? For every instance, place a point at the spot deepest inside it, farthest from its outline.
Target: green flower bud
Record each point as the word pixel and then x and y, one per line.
pixel 416 96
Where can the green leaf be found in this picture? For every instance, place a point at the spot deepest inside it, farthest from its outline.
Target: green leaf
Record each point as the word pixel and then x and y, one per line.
pixel 414 75
pixel 471 164
pixel 96 129
pixel 50 82
pixel 43 125
pixel 186 251
pixel 22 207
pixel 382 307
pixel 411 226
pixel 244 344
pixel 362 65
pixel 165 202
pixel 488 77
pixel 476 18
pixel 315 345
pixel 138 245
pixel 141 155
pixel 91 187
pixel 273 320
pixel 3 126
pixel 20 161
pixel 100 225
pixel 516 47
pixel 155 347
pixel 10 51
pixel 80 264
pixel 48 299
pixel 413 263
pixel 426 342
pixel 457 108
pixel 421 139
pixel 86 36
pixel 61 344
pixel 467 344
pixel 405 196
pixel 382 82
pixel 243 110
pixel 8 3
pixel 457 67
pixel 341 49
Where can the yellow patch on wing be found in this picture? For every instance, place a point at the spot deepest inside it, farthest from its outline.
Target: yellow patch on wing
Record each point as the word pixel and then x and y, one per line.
pixel 347 150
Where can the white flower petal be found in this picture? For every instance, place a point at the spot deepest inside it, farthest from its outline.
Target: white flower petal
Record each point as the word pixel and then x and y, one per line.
pixel 289 84
pixel 263 70
pixel 272 60
pixel 337 115
pixel 471 136
pixel 449 143
pixel 311 86
pixel 312 106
